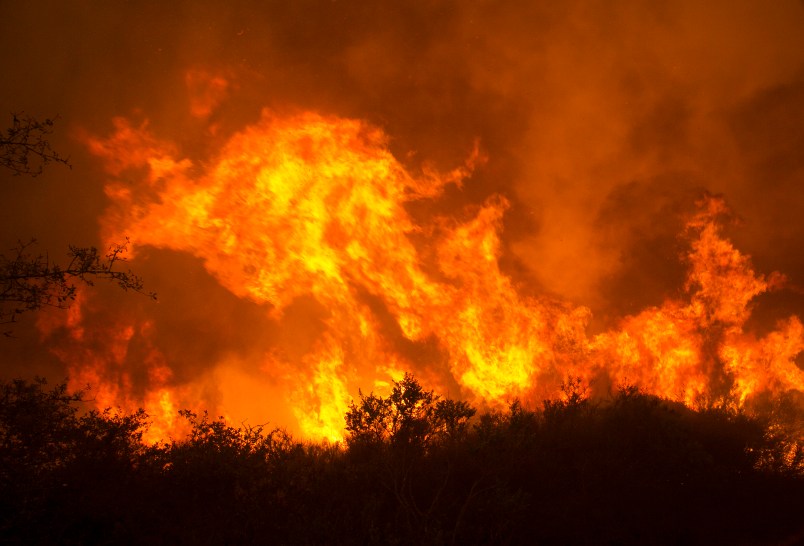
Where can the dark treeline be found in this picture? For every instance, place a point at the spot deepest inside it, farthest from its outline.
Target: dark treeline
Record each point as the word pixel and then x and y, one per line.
pixel 415 469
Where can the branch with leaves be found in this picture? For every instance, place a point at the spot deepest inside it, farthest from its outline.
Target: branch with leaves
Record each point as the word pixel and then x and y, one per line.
pixel 29 281
pixel 25 149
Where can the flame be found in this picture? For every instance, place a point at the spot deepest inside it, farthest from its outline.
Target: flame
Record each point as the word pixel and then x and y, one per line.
pixel 99 365
pixel 312 207
pixel 690 349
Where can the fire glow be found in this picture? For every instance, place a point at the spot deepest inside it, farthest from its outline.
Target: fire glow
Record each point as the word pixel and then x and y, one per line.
pixel 308 211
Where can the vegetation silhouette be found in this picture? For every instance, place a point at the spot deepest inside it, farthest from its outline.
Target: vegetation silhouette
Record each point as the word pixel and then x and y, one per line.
pixel 24 146
pixel 414 469
pixel 30 280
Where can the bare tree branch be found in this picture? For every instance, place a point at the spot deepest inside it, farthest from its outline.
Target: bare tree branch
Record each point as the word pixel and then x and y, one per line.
pixel 29 280
pixel 24 148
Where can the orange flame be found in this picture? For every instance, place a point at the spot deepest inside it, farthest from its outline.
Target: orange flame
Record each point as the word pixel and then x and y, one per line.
pixel 98 364
pixel 309 206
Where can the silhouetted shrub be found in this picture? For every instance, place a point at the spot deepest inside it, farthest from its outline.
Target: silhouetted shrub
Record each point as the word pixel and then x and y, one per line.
pixel 416 469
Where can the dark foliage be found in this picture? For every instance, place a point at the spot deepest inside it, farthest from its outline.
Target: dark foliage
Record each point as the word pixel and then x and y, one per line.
pixel 62 475
pixel 29 281
pixel 631 470
pixel 24 148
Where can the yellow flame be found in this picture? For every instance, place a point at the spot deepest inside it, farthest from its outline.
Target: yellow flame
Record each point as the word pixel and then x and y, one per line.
pixel 314 206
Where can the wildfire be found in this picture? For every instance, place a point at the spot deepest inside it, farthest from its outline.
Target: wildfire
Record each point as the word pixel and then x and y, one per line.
pixel 312 207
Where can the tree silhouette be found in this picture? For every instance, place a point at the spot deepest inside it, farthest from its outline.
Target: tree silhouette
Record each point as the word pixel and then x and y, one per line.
pixel 24 148
pixel 631 469
pixel 410 415
pixel 31 280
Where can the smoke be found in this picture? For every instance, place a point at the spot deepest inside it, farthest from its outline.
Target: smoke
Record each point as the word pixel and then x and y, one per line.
pixel 601 125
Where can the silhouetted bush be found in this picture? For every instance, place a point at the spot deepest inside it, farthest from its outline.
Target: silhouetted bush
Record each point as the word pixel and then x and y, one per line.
pixel 415 469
